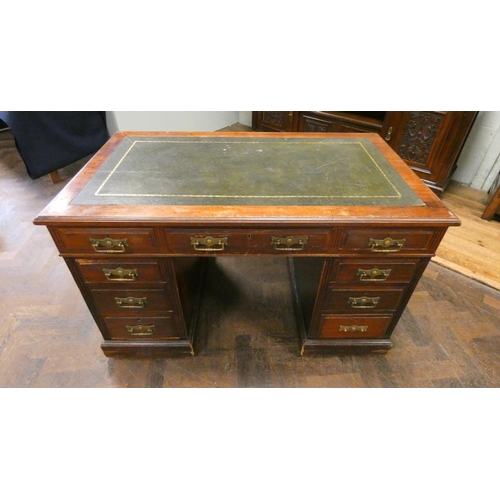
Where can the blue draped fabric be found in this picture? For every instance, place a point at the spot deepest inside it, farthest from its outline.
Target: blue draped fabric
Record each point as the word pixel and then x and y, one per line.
pixel 49 140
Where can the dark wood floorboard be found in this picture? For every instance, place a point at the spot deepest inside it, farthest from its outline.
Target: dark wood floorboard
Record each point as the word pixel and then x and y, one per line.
pixel 448 336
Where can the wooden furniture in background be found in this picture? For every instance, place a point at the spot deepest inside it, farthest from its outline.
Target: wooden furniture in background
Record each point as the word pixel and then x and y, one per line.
pixel 493 206
pixel 55 176
pixel 136 225
pixel 428 141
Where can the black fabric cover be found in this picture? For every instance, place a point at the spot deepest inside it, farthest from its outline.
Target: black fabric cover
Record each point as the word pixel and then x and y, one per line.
pixel 49 140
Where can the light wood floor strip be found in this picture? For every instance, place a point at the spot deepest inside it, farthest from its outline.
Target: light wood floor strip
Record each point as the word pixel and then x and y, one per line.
pixel 472 249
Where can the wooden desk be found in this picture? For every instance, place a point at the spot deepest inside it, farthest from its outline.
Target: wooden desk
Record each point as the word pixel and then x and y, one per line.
pixel 137 223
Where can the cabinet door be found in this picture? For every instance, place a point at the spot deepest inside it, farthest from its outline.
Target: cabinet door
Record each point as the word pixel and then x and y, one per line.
pixel 429 141
pixel 275 121
pixel 337 121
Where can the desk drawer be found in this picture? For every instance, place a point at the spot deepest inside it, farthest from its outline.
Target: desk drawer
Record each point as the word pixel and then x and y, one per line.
pixel 370 271
pixel 122 272
pixel 104 241
pixel 249 241
pixel 387 241
pixel 131 302
pixel 211 242
pixel 345 327
pixel 142 328
pixel 362 300
pixel 289 241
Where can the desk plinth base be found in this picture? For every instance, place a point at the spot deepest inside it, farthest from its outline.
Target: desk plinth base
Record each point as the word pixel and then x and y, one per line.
pixel 345 346
pixel 158 349
pixel 184 349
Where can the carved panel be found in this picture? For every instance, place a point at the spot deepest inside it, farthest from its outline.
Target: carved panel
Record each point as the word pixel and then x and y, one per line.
pixel 419 135
pixel 274 118
pixel 315 127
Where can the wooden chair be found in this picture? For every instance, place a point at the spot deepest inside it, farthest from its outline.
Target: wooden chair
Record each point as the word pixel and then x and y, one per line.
pixel 493 206
pixel 55 177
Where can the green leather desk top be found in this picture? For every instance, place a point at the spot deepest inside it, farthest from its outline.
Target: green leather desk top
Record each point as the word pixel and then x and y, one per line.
pixel 247 172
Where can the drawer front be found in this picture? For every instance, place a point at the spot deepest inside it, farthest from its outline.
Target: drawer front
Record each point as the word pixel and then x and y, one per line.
pixel 131 302
pixel 362 300
pixel 256 242
pixel 143 328
pixel 345 327
pixel 105 241
pixel 315 122
pixel 388 241
pixel 211 242
pixel 370 272
pixel 289 242
pixel 122 272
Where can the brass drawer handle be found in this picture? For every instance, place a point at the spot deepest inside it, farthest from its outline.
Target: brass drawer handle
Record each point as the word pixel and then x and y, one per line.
pixel 141 330
pixel 120 274
pixel 374 274
pixel 289 243
pixel 388 135
pixel 131 302
pixel 109 245
pixel 386 245
pixel 353 328
pixel 363 302
pixel 209 244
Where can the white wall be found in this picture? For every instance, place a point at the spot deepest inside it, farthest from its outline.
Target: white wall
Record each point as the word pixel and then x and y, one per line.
pixel 479 161
pixel 170 121
pixel 245 118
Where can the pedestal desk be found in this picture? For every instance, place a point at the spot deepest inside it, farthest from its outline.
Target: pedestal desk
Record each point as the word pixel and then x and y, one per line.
pixel 137 223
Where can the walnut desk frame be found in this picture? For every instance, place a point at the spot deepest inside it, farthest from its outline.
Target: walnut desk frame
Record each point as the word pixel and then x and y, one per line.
pixel 135 226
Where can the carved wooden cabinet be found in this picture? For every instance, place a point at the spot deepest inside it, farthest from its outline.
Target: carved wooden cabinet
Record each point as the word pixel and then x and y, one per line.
pixel 428 141
pixel 275 121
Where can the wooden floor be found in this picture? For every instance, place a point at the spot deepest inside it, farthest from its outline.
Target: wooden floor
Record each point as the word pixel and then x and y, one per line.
pixel 473 248
pixel 448 336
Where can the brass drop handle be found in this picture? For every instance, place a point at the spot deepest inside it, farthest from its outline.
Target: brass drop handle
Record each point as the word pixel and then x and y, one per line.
pixel 289 243
pixel 120 274
pixel 374 274
pixel 388 135
pixel 363 302
pixel 209 244
pixel 131 302
pixel 353 328
pixel 109 245
pixel 386 245
pixel 141 330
